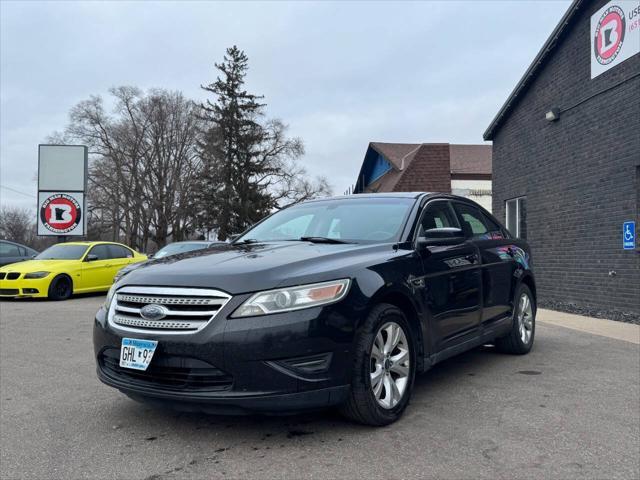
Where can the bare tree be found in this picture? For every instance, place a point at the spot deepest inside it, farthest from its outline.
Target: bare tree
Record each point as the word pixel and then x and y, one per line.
pixel 17 225
pixel 143 164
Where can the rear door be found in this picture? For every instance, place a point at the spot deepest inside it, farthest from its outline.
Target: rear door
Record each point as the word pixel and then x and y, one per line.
pixel 498 265
pixel 97 273
pixel 452 280
pixel 120 257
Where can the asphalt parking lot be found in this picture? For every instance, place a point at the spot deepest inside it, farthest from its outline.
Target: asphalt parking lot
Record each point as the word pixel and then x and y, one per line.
pixel 570 409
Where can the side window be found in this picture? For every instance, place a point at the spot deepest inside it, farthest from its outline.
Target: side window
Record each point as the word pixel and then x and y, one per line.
pixel 473 222
pixel 101 251
pixel 23 251
pixel 118 251
pixel 437 215
pixel 495 230
pixel 9 250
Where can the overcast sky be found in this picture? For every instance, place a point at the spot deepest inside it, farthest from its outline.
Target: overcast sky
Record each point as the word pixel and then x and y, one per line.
pixel 340 74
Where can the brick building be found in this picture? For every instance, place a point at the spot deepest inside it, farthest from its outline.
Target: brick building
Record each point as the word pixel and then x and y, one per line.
pixel 566 159
pixel 427 167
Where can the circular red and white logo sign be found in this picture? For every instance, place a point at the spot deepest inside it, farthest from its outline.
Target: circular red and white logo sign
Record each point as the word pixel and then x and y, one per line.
pixel 60 213
pixel 609 36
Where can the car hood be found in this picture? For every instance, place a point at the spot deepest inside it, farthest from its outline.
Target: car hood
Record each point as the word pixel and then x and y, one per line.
pixel 249 268
pixel 37 266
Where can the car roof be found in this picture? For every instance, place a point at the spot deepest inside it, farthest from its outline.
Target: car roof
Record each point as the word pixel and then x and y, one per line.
pixel 358 196
pixel 2 240
pixel 88 243
pixel 416 195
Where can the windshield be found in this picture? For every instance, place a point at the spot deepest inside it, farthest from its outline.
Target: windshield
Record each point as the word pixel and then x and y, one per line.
pixel 63 252
pixel 174 248
pixel 365 220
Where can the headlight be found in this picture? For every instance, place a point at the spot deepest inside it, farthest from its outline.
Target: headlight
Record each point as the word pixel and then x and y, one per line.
pixel 36 274
pixel 110 293
pixel 293 298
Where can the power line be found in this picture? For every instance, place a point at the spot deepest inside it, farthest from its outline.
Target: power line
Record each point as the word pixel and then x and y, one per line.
pixel 17 191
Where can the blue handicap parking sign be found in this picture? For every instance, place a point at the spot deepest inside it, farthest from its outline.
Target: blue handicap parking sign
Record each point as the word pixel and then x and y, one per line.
pixel 629 235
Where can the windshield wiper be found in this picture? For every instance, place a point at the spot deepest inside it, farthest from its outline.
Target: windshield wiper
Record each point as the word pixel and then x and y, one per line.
pixel 322 240
pixel 245 241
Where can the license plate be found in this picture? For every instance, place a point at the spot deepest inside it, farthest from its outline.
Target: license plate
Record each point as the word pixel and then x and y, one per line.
pixel 136 353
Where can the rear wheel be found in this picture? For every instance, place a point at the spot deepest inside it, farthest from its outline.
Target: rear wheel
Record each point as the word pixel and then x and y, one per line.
pixel 60 288
pixel 520 339
pixel 384 368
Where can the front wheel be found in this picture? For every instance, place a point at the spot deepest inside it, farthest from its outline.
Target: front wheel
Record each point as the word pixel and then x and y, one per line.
pixel 60 288
pixel 384 368
pixel 520 339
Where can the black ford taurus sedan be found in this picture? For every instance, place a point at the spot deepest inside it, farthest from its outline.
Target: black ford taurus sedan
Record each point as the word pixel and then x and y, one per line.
pixel 333 302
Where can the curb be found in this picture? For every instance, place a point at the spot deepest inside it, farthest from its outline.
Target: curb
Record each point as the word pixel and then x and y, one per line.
pixel 625 332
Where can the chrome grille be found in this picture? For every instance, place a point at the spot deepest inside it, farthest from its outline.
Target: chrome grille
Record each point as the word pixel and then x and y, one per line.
pixel 187 310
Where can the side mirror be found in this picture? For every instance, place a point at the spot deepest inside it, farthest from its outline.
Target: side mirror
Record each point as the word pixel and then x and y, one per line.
pixel 150 255
pixel 440 236
pixel 91 258
pixel 231 238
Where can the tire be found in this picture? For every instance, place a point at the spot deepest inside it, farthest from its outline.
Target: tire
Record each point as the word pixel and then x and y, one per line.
pixel 60 288
pixel 520 339
pixel 364 405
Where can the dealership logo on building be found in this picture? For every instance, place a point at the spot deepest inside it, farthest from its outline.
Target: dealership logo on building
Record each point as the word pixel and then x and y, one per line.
pixel 615 35
pixel 609 37
pixel 60 213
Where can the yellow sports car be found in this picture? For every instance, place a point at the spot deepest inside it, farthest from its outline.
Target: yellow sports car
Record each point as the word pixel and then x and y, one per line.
pixel 67 268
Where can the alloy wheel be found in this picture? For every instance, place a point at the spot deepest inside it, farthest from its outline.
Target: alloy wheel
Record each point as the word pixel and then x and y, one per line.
pixel 389 363
pixel 62 288
pixel 525 318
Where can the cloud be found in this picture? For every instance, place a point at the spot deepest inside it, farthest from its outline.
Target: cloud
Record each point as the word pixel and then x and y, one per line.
pixel 341 74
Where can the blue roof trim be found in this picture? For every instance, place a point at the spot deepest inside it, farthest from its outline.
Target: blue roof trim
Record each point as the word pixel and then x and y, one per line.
pixel 374 166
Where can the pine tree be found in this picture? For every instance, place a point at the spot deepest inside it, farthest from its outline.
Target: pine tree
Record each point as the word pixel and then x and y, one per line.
pixel 249 164
pixel 226 147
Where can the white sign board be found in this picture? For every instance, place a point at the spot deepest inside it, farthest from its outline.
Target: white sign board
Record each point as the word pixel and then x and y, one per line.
pixel 62 167
pixel 62 180
pixel 615 35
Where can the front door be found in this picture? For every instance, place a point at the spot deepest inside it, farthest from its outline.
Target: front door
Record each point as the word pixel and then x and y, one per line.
pixel 452 281
pixel 498 264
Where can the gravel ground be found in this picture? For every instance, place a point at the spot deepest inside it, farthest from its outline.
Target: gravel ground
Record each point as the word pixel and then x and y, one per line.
pixel 567 410
pixel 626 317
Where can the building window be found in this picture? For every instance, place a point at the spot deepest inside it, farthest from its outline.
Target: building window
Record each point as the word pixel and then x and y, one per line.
pixel 516 213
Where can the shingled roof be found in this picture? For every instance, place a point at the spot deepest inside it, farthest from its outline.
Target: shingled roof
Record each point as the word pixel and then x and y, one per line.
pixel 427 166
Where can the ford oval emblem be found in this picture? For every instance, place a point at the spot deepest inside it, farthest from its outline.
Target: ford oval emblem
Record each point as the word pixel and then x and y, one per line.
pixel 154 312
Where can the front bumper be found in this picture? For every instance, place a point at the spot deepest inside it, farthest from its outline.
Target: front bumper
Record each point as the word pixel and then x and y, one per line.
pixel 276 363
pixel 21 287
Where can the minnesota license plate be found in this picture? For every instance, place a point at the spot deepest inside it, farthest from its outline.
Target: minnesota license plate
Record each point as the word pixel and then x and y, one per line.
pixel 136 353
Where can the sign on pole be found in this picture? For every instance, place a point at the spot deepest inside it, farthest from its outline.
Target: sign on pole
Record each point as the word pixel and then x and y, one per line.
pixel 62 183
pixel 615 34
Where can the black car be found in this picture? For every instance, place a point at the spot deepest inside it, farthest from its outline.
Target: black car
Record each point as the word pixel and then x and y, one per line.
pixel 11 252
pixel 338 301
